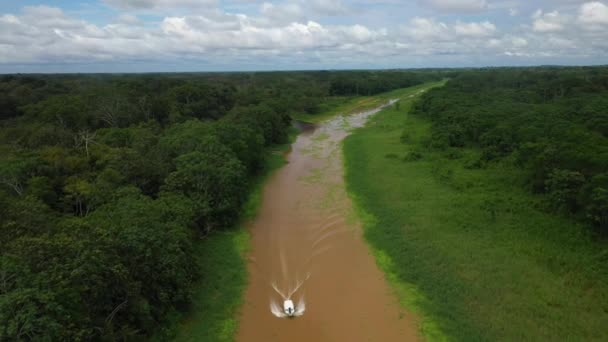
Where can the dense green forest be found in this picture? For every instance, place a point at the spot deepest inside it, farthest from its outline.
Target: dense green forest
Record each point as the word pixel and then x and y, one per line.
pixel 550 122
pixel 107 182
pixel 483 201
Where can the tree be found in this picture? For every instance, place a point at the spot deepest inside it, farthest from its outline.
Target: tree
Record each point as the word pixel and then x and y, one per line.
pixel 192 135
pixel 41 187
pixel 563 188
pixel 24 216
pixel 215 181
pixel 272 124
pixel 203 101
pixel 15 170
pixel 84 139
pixel 245 141
pixel 78 195
pixel 8 107
pixel 113 108
pixel 67 111
pixel 152 248
pixel 597 210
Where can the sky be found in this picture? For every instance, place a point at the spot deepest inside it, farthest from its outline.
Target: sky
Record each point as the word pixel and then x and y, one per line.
pixel 242 35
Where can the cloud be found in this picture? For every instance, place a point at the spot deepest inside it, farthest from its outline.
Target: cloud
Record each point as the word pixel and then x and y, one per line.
pixel 482 29
pixel 242 33
pixel 159 4
pixel 427 29
pixel 284 12
pixel 46 34
pixel 288 32
pixel 432 30
pixel 128 19
pixel 457 5
pixel 519 42
pixel 548 22
pixel 328 7
pixel 593 14
pixel 429 37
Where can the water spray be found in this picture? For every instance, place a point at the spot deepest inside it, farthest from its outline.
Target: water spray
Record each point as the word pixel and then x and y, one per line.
pixel 289 309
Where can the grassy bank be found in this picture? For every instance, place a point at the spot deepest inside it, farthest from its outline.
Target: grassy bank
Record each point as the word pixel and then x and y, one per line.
pixel 468 249
pixel 350 105
pixel 222 259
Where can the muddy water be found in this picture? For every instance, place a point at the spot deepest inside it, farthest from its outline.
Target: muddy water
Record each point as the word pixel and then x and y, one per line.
pixel 307 247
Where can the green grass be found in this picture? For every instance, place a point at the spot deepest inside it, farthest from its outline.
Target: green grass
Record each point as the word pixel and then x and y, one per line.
pixel 349 105
pixel 219 295
pixel 470 250
pixel 221 257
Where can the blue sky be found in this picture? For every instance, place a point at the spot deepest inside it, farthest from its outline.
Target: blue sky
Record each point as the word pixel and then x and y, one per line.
pixel 213 35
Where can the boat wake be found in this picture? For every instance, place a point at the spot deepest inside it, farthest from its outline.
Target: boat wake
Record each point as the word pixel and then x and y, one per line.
pixel 288 308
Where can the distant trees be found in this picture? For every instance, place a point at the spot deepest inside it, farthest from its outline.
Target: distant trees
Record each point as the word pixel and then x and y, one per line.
pixel 65 111
pixel 563 187
pixel 348 83
pixel 551 121
pixel 597 209
pixel 8 107
pixel 203 101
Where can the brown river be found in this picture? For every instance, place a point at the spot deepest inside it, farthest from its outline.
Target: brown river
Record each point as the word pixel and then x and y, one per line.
pixel 307 247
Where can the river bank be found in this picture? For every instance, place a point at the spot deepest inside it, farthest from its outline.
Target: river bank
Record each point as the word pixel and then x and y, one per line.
pixel 469 250
pixel 222 256
pixel 214 315
pixel 307 247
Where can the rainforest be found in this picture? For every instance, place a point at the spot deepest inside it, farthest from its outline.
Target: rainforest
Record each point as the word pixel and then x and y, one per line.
pixel 429 204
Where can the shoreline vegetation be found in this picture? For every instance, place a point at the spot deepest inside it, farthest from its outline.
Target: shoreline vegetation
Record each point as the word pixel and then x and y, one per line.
pixel 225 259
pixel 222 256
pixel 470 249
pixel 109 183
pixel 352 105
pixel 123 198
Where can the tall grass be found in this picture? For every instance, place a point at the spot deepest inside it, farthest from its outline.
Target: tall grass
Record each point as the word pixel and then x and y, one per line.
pixel 468 249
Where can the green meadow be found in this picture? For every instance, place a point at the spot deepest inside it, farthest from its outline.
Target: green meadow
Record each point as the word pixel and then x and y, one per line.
pixel 468 250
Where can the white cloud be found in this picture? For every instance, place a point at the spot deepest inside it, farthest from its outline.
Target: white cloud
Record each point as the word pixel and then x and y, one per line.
pixel 519 42
pixel 289 31
pixel 482 29
pixel 281 13
pixel 429 37
pixel 593 13
pixel 328 7
pixel 45 34
pixel 561 43
pixel 360 33
pixel 244 34
pixel 159 4
pixel 427 29
pixel 457 5
pixel 46 16
pixel 432 30
pixel 548 22
pixel 128 19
